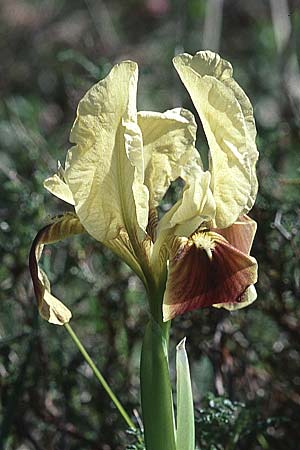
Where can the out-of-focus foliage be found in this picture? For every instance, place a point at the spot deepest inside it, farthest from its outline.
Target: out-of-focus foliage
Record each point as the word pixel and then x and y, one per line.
pixel 223 424
pixel 138 443
pixel 51 52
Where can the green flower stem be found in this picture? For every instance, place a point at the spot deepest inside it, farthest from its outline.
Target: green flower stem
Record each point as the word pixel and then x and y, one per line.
pixel 156 392
pixel 99 376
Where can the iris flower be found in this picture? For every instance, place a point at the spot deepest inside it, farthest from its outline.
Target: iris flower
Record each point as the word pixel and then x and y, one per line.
pixel 120 168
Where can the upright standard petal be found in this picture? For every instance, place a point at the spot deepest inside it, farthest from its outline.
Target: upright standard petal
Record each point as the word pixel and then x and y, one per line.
pixel 229 127
pixel 205 270
pixel 50 308
pixel 250 129
pixel 169 149
pixel 104 170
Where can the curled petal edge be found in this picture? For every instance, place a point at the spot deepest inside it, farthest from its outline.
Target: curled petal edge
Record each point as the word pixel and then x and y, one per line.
pixel 248 297
pixel 50 308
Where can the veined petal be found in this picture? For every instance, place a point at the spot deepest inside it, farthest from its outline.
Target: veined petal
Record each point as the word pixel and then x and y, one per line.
pixel 240 234
pixel 50 308
pixel 122 246
pixel 104 170
pixel 206 270
pixel 229 127
pixel 57 186
pixel 169 149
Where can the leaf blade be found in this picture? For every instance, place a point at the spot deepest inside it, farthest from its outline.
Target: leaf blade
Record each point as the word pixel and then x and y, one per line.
pixel 185 406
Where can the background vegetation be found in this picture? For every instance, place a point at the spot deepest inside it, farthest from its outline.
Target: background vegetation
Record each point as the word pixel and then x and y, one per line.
pixel 51 51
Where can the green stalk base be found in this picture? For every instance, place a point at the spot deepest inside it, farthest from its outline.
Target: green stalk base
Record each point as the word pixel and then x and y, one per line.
pixel 156 392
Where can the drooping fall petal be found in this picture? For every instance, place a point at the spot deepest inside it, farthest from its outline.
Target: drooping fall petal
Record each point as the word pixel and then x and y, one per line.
pixel 50 308
pixel 230 130
pixel 248 297
pixel 169 149
pixel 105 169
pixel 240 235
pixel 206 270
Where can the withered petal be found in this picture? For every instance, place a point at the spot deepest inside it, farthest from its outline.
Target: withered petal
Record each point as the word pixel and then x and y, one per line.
pixel 50 308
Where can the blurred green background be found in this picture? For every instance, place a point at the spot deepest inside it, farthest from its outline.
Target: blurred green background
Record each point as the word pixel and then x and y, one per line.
pixel 51 52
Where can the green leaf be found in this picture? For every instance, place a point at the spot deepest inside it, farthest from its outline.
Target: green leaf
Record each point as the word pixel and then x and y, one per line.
pixel 185 407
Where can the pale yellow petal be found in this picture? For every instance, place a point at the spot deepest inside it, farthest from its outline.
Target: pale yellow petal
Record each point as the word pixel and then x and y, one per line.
pixel 169 146
pixel 57 186
pixel 253 154
pixel 196 206
pixel 169 149
pixel 50 308
pixel 227 125
pixel 122 247
pixel 104 170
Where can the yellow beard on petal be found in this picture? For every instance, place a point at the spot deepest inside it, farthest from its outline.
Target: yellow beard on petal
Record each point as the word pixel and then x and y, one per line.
pixel 203 240
pixel 207 270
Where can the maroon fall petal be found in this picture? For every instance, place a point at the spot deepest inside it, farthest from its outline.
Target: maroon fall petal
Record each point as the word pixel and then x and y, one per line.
pixel 196 280
pixel 240 234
